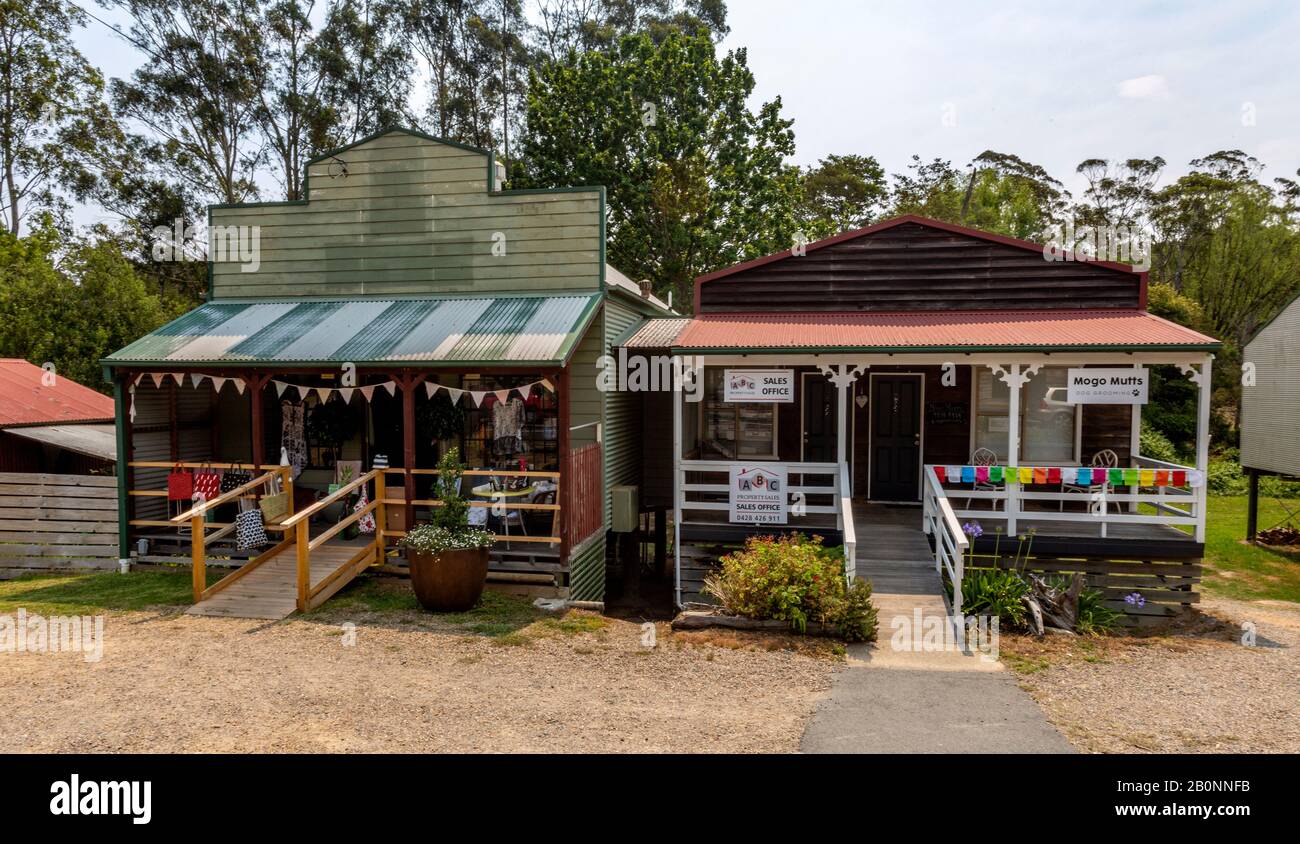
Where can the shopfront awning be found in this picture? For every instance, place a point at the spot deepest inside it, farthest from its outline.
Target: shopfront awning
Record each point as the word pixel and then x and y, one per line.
pixel 514 330
pixel 947 331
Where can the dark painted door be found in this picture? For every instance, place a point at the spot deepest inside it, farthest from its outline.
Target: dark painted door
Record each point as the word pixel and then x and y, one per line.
pixel 896 438
pixel 820 435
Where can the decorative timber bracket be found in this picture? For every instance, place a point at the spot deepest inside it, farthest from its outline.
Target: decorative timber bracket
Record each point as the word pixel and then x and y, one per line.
pixel 843 375
pixel 1006 376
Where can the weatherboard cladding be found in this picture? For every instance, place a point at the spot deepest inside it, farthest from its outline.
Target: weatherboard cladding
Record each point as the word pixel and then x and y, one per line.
pixel 470 330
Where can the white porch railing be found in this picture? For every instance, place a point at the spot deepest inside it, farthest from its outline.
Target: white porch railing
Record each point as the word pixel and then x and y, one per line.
pixel 940 521
pixel 846 526
pixel 820 498
pixel 1106 505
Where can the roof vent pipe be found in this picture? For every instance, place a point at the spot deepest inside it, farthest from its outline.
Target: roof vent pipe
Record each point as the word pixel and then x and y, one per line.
pixel 645 288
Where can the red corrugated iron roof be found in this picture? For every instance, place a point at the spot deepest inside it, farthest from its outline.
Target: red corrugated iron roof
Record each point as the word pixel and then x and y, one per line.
pixel 961 330
pixel 26 400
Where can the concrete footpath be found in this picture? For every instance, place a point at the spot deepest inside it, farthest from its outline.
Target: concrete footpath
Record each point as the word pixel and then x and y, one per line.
pixel 902 701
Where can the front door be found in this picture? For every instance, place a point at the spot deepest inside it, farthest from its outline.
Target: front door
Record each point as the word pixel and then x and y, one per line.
pixel 895 437
pixel 820 405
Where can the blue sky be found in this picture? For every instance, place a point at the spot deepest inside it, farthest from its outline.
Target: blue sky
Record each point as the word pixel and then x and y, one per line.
pixel 1054 83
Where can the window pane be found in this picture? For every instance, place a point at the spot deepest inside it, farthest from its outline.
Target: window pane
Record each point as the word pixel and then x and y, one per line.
pixel 992 402
pixel 1048 422
pixel 735 430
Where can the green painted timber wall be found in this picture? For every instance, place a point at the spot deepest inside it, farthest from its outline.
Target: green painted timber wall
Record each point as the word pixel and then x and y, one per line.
pixel 587 571
pixel 413 216
pixel 622 428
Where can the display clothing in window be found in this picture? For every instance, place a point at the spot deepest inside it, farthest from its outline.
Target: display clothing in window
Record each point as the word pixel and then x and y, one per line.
pixel 292 440
pixel 508 426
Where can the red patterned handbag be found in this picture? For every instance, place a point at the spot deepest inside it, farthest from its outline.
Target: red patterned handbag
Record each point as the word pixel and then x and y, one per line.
pixel 207 483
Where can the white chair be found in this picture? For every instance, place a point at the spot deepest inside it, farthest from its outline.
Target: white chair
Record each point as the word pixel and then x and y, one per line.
pixel 986 457
pixel 1104 459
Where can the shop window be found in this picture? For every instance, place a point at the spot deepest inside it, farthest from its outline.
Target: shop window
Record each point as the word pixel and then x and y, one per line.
pixel 537 442
pixel 734 431
pixel 1048 425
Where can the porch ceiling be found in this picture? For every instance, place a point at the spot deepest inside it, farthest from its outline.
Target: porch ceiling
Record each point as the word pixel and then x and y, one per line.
pixel 968 331
pixel 471 331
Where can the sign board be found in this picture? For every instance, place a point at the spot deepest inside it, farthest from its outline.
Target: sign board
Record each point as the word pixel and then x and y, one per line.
pixel 1108 386
pixel 758 495
pixel 758 385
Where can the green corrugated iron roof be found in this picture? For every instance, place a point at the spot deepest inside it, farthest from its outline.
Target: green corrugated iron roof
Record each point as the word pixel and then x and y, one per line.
pixel 503 329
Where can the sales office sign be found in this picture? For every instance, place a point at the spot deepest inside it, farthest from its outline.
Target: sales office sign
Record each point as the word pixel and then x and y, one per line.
pixel 1108 386
pixel 758 495
pixel 758 385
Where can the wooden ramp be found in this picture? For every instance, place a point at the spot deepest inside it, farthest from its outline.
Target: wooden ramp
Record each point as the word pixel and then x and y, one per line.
pixel 894 554
pixel 269 589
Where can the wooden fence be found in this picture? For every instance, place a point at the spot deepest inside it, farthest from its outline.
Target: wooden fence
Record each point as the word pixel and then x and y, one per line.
pixel 584 493
pixel 57 523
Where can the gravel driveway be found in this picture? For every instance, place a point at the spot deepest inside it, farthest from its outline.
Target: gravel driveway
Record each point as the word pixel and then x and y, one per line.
pixel 1198 690
pixel 179 683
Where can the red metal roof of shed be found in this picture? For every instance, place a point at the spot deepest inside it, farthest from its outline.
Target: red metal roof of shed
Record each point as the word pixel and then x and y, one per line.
pixel 955 330
pixel 26 400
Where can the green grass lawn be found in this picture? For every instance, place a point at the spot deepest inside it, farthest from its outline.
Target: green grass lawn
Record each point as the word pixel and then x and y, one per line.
pixel 92 594
pixel 1235 569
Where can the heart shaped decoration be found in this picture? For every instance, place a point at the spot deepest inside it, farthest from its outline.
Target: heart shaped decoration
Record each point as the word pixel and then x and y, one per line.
pixel 861 401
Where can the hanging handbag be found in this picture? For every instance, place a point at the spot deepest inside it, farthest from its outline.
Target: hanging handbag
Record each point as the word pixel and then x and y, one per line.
pixel 366 524
pixel 276 505
pixel 207 483
pixel 250 533
pixel 180 484
pixel 233 479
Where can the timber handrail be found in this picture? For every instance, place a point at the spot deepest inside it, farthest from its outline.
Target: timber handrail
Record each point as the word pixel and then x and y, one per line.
pixel 339 494
pixel 203 506
pixel 848 531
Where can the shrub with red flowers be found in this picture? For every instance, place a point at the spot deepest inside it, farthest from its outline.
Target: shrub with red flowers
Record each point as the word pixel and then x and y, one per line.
pixel 794 579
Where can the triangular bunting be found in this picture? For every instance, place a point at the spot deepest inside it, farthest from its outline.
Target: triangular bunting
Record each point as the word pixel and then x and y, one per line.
pixel 196 378
pixel 179 378
pixel 524 391
pixel 455 394
pixel 430 389
pixel 280 388
pixel 546 385
pixel 346 393
pixel 324 393
pixel 239 385
pixel 478 396
pixel 367 392
pixel 391 387
pixel 502 395
pixel 157 378
pixel 218 383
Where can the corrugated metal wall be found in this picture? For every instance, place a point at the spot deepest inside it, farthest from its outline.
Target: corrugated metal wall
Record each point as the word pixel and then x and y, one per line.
pixel 1270 431
pixel 587 571
pixel 622 414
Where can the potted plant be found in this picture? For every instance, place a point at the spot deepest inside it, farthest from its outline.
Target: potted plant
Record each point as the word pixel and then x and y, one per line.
pixel 448 557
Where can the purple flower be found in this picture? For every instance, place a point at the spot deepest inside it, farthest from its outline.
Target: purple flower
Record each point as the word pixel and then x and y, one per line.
pixel 1135 599
pixel 973 530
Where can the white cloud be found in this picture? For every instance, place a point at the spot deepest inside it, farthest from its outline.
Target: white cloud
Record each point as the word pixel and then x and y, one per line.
pixel 1144 87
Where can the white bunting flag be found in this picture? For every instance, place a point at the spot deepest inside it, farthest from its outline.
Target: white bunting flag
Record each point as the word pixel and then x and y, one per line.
pixel 280 387
pixel 547 385
pixel 430 389
pixel 524 391
pixel 502 395
pixel 346 393
pixel 179 378
pixel 218 383
pixel 478 396
pixel 367 392
pixel 455 394
pixel 391 387
pixel 196 378
pixel 157 378
pixel 324 393
pixel 239 385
